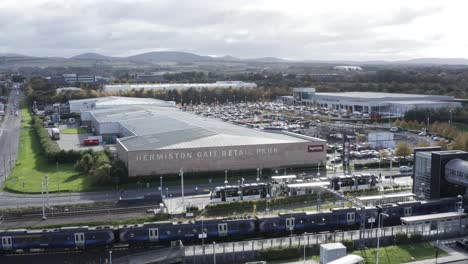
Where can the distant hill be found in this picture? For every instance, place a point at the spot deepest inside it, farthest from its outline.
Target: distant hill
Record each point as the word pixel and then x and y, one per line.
pixel 437 61
pixel 165 56
pixel 91 56
pixel 149 58
pixel 267 60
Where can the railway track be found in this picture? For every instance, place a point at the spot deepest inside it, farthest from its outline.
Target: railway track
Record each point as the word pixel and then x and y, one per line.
pixel 9 216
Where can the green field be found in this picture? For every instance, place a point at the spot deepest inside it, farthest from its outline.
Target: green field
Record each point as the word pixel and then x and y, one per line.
pixel 73 131
pixel 32 166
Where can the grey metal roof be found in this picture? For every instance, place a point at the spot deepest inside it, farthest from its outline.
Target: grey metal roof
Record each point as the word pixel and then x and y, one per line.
pixel 159 140
pixel 376 95
pixel 171 128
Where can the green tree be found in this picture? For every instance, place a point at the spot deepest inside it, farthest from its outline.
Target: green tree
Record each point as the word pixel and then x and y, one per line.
pixel 403 149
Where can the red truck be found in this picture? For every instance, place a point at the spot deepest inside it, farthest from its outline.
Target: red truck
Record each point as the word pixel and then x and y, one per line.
pixel 91 142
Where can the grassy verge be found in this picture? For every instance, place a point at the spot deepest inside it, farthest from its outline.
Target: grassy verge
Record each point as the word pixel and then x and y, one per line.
pixel 388 255
pixel 73 131
pixel 32 166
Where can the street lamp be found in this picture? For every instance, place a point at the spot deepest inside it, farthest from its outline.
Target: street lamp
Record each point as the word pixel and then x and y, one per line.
pixel 214 252
pixel 318 170
pixel 460 203
pixel 225 178
pixel 161 186
pixel 110 256
pixel 258 175
pixel 305 248
pixel 267 201
pixel 181 173
pixel 380 218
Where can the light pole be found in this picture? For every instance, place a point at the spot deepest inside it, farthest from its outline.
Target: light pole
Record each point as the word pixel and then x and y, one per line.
pixel 305 248
pixel 182 187
pixel 267 201
pixel 258 175
pixel 110 256
pixel 214 253
pixel 318 170
pixel 43 201
pixel 225 178
pixel 58 178
pixel 460 203
pixel 378 235
pixel 161 186
pixel 47 189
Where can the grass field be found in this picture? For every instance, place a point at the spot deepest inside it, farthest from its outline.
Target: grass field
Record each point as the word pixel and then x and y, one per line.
pixel 73 131
pixel 32 166
pixel 393 254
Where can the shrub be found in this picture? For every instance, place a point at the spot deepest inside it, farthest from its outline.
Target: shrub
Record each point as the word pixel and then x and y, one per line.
pixel 401 238
pixel 349 244
pixel 279 253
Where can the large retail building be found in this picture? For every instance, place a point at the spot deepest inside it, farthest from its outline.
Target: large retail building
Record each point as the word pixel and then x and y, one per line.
pixel 372 102
pixel 156 139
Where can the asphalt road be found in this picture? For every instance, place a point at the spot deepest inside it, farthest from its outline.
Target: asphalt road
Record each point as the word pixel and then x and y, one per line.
pixel 9 138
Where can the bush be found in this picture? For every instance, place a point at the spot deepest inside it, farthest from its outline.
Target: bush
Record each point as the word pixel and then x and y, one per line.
pixel 349 244
pixel 416 238
pixel 279 253
pixel 401 238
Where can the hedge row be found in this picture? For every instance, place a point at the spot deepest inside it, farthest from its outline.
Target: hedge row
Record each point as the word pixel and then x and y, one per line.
pixel 51 148
pixel 280 253
pixel 402 238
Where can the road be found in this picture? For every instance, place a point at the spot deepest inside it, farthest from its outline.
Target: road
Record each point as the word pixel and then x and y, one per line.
pixel 9 138
pixel 9 200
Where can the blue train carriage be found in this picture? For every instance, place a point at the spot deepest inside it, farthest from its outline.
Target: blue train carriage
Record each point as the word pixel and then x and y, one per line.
pixel 413 208
pixel 66 237
pixel 299 222
pixel 191 230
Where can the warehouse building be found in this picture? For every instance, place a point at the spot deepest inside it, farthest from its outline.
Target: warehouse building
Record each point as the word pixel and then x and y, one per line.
pixel 156 140
pixel 393 104
pixel 77 106
pixel 179 86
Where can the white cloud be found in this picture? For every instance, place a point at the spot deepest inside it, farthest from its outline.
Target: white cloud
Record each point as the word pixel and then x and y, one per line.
pixel 334 29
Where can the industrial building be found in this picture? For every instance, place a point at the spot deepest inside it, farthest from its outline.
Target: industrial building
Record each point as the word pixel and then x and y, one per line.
pixel 179 86
pixel 77 106
pixel 392 104
pixel 439 174
pixel 154 139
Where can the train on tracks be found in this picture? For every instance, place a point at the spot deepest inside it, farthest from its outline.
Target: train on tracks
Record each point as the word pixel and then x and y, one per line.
pixel 218 229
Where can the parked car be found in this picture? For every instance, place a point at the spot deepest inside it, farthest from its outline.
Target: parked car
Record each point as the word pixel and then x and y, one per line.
pixel 394 129
pixel 405 169
pixel 462 243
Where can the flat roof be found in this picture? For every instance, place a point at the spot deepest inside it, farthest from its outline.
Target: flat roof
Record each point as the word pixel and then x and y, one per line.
pixel 292 176
pixel 376 95
pixel 162 128
pixel 441 216
pixel 386 196
pixel 308 184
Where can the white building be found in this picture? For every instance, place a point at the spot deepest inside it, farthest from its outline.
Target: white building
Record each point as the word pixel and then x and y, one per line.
pixel 381 140
pixel 78 106
pixel 372 102
pixel 178 86
pixel 65 89
pixel 348 68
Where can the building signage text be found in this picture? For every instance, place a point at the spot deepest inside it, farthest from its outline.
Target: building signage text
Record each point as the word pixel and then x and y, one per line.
pixel 210 154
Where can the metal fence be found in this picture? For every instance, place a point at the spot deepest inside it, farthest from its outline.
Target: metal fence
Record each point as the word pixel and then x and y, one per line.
pixel 244 250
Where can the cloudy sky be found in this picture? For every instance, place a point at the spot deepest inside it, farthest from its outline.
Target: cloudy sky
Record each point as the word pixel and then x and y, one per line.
pixel 356 30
